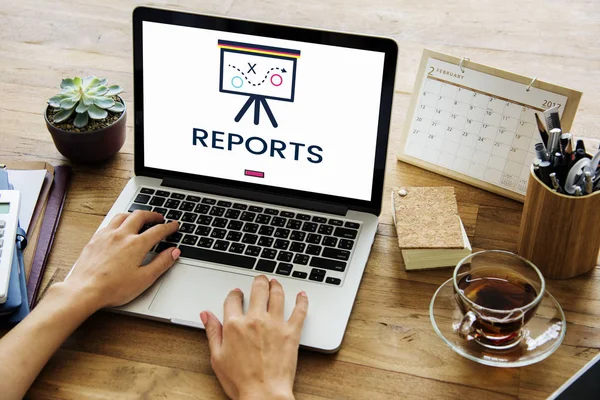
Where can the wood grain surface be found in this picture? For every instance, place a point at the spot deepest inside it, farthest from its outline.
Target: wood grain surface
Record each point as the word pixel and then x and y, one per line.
pixel 390 349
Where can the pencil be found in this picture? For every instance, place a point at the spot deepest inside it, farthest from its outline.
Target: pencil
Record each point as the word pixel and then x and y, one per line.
pixel 542 129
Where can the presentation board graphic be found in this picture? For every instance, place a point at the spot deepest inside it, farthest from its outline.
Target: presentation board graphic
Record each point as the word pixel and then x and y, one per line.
pixel 260 72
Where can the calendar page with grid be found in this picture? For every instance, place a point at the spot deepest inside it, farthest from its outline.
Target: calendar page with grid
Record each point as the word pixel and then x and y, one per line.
pixel 476 124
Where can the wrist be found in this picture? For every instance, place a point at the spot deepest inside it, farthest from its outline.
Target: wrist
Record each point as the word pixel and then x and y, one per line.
pixel 79 300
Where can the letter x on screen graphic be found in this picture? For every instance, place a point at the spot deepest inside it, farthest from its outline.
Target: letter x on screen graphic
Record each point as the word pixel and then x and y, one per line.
pixel 260 72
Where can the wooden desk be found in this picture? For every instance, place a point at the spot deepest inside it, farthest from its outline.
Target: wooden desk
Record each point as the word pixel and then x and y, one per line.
pixel 390 349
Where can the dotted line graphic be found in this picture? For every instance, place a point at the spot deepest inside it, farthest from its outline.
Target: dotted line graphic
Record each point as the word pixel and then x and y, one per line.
pixel 249 81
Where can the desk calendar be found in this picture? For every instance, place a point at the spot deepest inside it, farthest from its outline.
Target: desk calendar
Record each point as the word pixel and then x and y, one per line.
pixel 477 124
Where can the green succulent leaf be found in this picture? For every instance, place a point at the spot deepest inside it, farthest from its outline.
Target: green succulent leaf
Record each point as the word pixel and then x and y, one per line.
pixel 97 91
pixel 87 100
pixel 68 83
pixel 118 107
pixel 113 90
pixel 62 115
pixel 104 102
pixel 81 120
pixel 68 103
pixel 85 82
pixel 96 112
pixel 55 100
pixel 102 82
pixel 77 81
pixel 81 107
pixel 91 82
pixel 68 90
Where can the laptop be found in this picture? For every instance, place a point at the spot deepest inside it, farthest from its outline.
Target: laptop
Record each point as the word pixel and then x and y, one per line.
pixel 268 144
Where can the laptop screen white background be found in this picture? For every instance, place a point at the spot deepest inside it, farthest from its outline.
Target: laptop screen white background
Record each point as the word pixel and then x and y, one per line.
pixel 334 112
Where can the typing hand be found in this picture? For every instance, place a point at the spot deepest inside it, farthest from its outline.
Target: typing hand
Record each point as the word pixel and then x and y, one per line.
pixel 254 356
pixel 109 268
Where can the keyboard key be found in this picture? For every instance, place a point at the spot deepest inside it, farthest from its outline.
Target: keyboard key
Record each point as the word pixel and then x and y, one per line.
pixel 172 204
pixel 253 251
pixel 142 199
pixel 281 244
pixel 265 241
pixel 336 222
pixel 284 269
pixel 333 281
pixel 178 196
pixel 218 233
pixel 299 274
pixel 202 209
pixel 234 236
pixel 157 201
pixel 317 275
pixel 303 217
pixel 160 210
pixel 313 250
pixel 287 214
pixel 255 209
pixel 325 229
pixel 224 203
pixel 204 220
pixel 301 259
pixel 281 233
pixel 352 225
pixel 207 200
pixel 190 240
pixel 174 214
pixel 217 211
pixel 193 199
pixel 239 206
pixel 266 230
pixel 142 207
pixel 313 238
pixel 162 193
pixel 219 222
pixel 309 227
pixel 174 238
pixel 271 211
pixel 217 257
pixel 345 233
pixel 336 253
pixel 235 225
pixel 297 247
pixel 285 256
pixel 147 191
pixel 232 214
pixel 265 265
pixel 277 221
pixel 298 235
pixel 268 253
pixel 162 246
pixel 187 206
pixel 189 217
pixel 326 263
pixel 250 227
pixel 330 241
pixel 237 248
pixel 187 228
pixel 249 238
pixel 247 216
pixel 294 224
pixel 202 230
pixel 320 220
pixel 206 242
pixel 263 219
pixel 221 245
pixel 346 244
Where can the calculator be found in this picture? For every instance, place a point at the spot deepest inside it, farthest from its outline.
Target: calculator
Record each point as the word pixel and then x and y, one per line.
pixel 9 219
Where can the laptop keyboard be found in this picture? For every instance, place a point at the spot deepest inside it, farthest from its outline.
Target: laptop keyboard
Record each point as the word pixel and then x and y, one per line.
pixel 265 239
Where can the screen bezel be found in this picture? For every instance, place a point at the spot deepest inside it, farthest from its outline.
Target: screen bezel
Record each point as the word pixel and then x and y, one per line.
pixel 384 45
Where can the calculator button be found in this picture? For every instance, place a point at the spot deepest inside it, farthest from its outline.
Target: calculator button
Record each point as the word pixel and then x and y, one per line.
pixel 2 224
pixel 1 243
pixel 1 232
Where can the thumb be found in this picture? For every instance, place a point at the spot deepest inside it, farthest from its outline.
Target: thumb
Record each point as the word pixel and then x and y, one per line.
pixel 214 330
pixel 162 262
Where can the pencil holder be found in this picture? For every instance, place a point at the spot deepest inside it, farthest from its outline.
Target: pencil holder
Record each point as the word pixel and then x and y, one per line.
pixel 560 234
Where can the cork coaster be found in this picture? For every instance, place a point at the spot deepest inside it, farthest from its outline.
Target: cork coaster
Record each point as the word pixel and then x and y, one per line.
pixel 427 217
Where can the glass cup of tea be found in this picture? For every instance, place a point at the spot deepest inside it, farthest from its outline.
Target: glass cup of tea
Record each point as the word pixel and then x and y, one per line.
pixel 498 292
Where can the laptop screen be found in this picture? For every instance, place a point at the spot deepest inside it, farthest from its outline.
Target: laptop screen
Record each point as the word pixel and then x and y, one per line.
pixel 282 113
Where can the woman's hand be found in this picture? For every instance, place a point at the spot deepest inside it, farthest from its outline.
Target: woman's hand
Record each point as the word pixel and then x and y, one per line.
pixel 254 356
pixel 109 270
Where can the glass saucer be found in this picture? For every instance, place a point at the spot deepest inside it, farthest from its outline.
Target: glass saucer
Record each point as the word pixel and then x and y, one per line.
pixel 541 336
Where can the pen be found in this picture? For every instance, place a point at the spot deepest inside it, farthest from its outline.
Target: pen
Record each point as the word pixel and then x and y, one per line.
pixel 578 155
pixel 554 181
pixel 565 138
pixel 540 151
pixel 536 167
pixel 554 139
pixel 580 145
pixel 560 166
pixel 545 171
pixel 587 179
pixel 542 130
pixel 577 190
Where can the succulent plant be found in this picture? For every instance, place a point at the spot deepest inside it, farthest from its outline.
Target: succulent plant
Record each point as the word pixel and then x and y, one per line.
pixel 88 98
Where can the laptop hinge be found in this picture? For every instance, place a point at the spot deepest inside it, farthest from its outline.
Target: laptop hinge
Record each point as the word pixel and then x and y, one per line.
pixel 270 198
